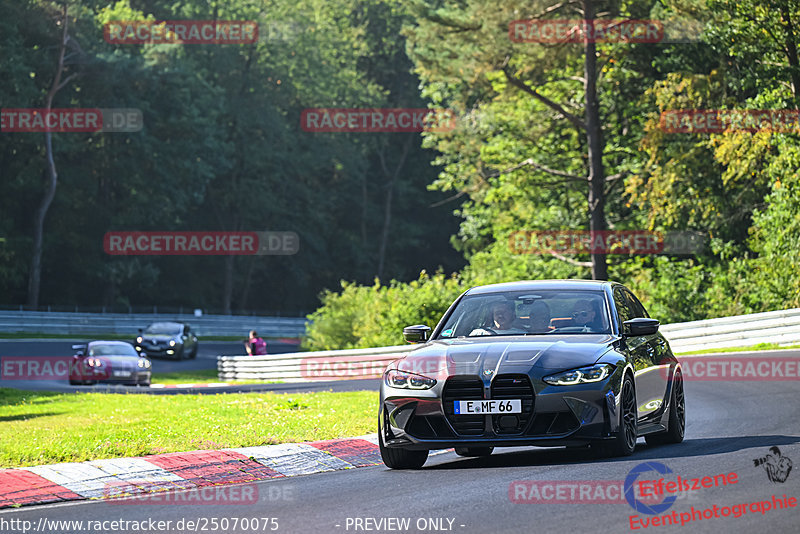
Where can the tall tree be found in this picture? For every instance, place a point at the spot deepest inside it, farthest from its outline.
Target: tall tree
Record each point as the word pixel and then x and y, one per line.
pixel 62 65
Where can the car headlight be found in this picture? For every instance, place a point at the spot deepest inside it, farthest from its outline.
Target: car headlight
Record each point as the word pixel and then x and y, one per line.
pixel 93 362
pixel 403 380
pixel 139 339
pixel 171 342
pixel 584 375
pixel 144 364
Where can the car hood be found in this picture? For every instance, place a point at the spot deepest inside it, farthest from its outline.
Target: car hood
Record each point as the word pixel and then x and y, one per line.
pixel 524 355
pixel 119 361
pixel 159 337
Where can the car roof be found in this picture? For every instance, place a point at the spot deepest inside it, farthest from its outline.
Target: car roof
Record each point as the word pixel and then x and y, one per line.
pixel 524 285
pixel 103 342
pixel 173 323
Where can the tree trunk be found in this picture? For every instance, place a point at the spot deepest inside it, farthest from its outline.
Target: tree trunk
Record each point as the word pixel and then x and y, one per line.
pixel 35 276
pixel 387 210
pixel 790 45
pixel 594 138
pixel 243 303
pixel 227 291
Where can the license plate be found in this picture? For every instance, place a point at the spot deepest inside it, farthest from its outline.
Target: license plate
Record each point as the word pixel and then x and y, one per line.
pixel 491 407
pixel 122 373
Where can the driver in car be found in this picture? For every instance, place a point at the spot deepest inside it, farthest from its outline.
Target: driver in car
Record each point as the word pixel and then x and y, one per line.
pixel 584 315
pixel 503 321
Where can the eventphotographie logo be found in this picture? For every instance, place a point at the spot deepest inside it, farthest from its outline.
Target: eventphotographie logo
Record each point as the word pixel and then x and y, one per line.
pixel 181 32
pixel 201 243
pixel 63 120
pixel 389 120
pixel 775 464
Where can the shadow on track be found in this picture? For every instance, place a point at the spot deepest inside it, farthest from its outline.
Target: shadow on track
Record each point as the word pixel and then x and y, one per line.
pixel 562 456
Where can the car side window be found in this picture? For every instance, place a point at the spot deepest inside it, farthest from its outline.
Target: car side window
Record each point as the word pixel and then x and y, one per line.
pixel 637 309
pixel 623 307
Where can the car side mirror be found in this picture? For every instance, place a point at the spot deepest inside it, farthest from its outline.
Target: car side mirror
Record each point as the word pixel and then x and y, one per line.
pixel 141 331
pixel 641 326
pixel 418 333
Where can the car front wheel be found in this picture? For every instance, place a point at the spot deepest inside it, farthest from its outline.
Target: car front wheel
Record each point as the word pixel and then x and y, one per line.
pixel 400 458
pixel 677 416
pixel 624 442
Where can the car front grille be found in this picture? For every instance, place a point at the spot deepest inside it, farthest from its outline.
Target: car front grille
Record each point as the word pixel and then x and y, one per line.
pixel 513 387
pixel 463 388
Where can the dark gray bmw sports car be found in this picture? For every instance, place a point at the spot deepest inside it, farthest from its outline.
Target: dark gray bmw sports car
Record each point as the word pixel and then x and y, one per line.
pixel 544 363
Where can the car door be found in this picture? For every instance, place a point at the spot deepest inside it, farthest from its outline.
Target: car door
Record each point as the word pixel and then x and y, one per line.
pixel 638 350
pixel 188 342
pixel 652 381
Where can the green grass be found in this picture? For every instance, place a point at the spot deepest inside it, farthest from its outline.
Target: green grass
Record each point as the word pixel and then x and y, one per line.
pixel 760 346
pixel 198 377
pixel 40 428
pixel 187 377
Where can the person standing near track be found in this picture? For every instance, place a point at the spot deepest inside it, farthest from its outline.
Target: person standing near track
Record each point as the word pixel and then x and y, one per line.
pixel 254 345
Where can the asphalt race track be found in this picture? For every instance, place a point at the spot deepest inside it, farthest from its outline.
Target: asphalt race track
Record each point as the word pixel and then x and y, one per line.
pixel 729 425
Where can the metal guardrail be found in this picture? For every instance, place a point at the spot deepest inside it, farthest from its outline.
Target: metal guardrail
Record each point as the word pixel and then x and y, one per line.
pixel 70 323
pixel 311 366
pixel 782 327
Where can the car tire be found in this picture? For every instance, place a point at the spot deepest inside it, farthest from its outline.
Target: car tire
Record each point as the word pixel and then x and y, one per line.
pixel 624 442
pixel 677 416
pixel 400 458
pixel 75 382
pixel 471 452
pixel 193 355
pixel 181 353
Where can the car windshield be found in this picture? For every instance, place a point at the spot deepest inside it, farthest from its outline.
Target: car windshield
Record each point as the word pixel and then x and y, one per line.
pixel 170 329
pixel 115 349
pixel 528 313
